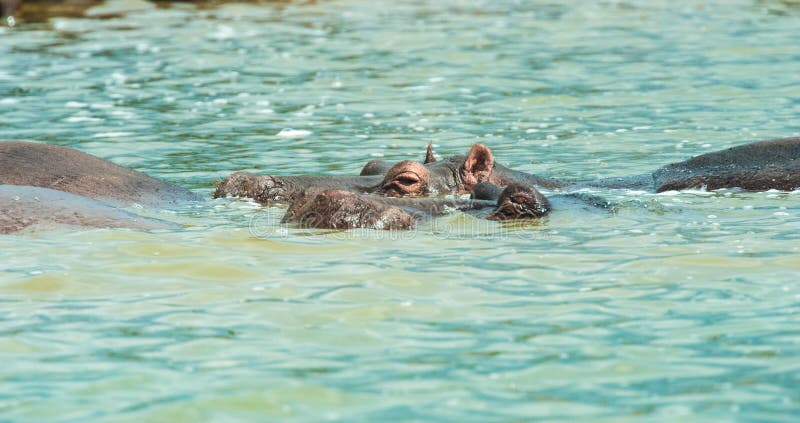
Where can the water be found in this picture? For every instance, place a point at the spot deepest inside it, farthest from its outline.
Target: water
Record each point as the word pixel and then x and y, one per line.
pixel 678 306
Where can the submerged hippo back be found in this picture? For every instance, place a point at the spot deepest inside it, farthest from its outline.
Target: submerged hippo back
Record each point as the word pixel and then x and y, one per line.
pixel 65 169
pixel 764 165
pixel 24 206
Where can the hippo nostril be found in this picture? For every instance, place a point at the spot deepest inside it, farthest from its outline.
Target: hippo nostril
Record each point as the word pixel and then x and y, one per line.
pixel 520 198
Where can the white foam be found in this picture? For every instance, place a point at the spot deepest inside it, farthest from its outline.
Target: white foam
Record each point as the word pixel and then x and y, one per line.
pixel 293 133
pixel 74 119
pixel 112 134
pixel 223 32
pixel 118 78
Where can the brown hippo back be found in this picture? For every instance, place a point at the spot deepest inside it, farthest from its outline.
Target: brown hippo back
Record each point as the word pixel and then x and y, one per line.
pixel 69 170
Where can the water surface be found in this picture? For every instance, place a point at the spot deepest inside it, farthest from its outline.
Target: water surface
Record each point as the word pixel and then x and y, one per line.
pixel 677 306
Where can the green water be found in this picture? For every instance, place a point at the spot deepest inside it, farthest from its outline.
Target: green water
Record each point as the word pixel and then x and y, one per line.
pixel 677 307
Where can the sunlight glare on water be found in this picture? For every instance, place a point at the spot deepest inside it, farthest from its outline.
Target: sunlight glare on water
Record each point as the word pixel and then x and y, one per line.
pixel 675 306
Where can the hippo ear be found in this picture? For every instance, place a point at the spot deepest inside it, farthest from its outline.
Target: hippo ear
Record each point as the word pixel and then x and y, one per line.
pixel 429 158
pixel 478 165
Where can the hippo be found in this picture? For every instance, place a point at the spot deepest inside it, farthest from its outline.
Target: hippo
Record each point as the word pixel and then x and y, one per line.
pixel 760 166
pixel 53 185
pixel 69 170
pixel 24 207
pixel 341 209
pixel 757 166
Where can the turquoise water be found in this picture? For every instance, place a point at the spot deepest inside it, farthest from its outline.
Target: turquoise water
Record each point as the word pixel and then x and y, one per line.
pixel 676 307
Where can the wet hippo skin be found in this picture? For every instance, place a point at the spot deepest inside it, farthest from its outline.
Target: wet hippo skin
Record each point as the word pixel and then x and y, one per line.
pixel 519 201
pixel 266 188
pixel 340 209
pixel 79 173
pixel 760 166
pixel 23 207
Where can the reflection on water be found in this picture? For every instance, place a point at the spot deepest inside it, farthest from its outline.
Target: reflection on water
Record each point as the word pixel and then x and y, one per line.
pixel 677 304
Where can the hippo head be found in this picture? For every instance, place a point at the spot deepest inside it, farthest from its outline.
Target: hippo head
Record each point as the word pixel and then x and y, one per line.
pixel 520 202
pixel 457 174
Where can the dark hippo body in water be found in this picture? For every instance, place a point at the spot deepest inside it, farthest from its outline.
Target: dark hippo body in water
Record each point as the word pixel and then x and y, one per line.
pixel 760 166
pixel 340 209
pixel 23 207
pixel 79 173
pixel 43 184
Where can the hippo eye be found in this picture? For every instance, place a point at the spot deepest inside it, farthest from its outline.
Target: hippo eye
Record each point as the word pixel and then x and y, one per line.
pixel 407 179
